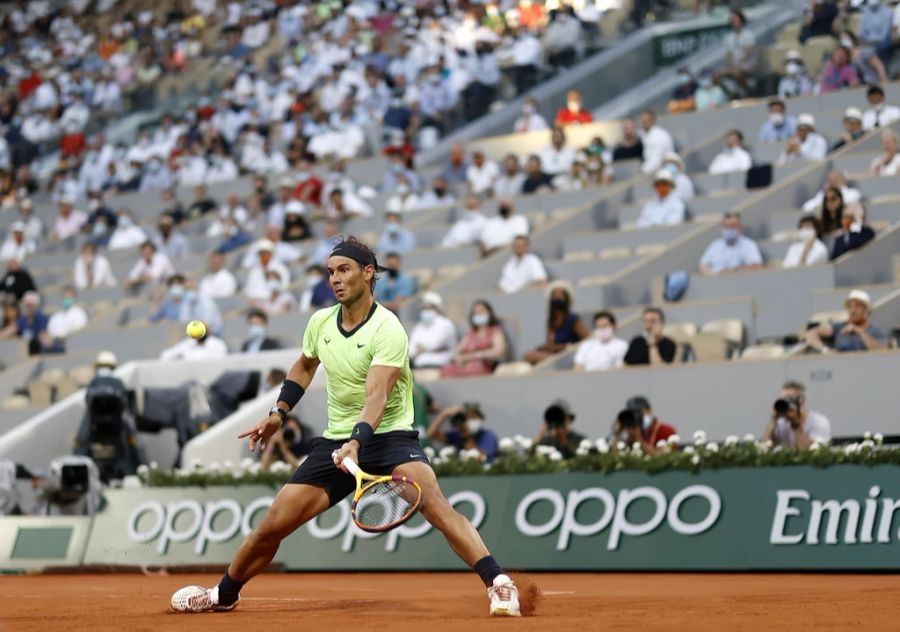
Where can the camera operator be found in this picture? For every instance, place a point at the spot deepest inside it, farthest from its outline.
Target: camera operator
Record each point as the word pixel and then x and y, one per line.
pixel 637 424
pixel 466 430
pixel 792 425
pixel 288 444
pixel 557 429
pixel 108 433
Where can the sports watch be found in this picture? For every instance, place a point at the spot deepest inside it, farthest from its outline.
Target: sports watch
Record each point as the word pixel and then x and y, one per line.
pixel 281 412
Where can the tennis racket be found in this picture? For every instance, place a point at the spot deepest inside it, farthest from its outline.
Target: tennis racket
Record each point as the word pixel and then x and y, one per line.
pixel 382 502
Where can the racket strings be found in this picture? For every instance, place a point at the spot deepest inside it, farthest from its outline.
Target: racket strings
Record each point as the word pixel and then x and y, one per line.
pixel 386 503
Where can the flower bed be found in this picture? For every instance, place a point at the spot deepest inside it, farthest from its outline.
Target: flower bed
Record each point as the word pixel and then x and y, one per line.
pixel 519 456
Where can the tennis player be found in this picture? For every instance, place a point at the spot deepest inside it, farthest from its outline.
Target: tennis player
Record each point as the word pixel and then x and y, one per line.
pixel 365 351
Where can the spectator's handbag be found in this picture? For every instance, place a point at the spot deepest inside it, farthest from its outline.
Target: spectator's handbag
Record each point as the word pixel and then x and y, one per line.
pixel 759 176
pixel 676 285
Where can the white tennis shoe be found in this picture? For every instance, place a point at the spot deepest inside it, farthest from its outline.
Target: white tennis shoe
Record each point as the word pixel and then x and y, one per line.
pixel 504 596
pixel 199 599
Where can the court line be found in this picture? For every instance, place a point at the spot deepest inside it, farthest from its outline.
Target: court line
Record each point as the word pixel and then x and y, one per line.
pixel 557 592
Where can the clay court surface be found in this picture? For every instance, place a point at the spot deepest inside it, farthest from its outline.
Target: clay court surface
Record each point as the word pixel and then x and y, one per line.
pixel 427 602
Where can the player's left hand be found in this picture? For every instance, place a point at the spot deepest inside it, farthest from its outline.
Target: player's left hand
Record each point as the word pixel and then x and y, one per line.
pixel 349 449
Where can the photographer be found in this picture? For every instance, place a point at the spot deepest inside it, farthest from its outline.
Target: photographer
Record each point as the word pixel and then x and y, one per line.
pixel 466 430
pixel 557 429
pixel 637 424
pixel 792 425
pixel 288 444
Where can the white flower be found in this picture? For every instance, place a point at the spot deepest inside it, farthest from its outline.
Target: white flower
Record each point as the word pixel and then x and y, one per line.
pixel 636 447
pixel 447 451
pixel 688 449
pixel 602 446
pixel 556 455
pixel 154 465
pixel 731 440
pixel 143 470
pixel 438 461
pixel 544 450
pixel 695 460
pixel 429 452
pixel 749 438
pixel 227 465
pixel 620 446
pixel 585 444
pixel 868 443
pixel 674 439
pixel 507 444
pixel 867 435
pixel 254 468
pixel 778 448
pixel 851 448
pixel 879 438
pixel 182 473
pixel 699 437
pixel 214 466
pixel 712 446
pixel 196 464
pixel 582 451
pixel 247 463
pixel 280 467
pixel 661 443
pixel 470 455
pixel 816 445
pixel 525 443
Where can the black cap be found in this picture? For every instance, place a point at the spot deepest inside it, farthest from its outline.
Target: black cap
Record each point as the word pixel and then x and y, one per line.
pixel 638 402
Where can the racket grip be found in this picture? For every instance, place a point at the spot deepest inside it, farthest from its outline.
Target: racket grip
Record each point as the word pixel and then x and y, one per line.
pixel 351 466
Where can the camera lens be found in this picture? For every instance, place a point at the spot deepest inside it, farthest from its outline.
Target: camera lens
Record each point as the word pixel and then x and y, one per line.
pixel 289 435
pixel 782 406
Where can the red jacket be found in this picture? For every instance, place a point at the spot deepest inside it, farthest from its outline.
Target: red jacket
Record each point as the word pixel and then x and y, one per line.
pixel 658 431
pixel 567 117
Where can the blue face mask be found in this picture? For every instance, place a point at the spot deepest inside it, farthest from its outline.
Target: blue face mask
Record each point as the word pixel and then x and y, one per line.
pixel 730 235
pixel 393 229
pixel 256 331
pixel 176 291
pixel 67 302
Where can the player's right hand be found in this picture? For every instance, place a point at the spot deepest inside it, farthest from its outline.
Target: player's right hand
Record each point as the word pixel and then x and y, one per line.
pixel 262 432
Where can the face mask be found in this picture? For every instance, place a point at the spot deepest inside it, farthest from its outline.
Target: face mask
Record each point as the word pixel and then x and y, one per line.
pixel 393 229
pixel 847 43
pixel 471 215
pixel 474 425
pixel 683 80
pixel 312 280
pixel 104 371
pixel 256 331
pixel 647 421
pixel 807 234
pixel 393 274
pixel 481 319
pixel 402 189
pixel 439 192
pixel 427 316
pixel 274 285
pixel 527 109
pixel 124 222
pixel 705 82
pixel 792 68
pixel 302 175
pixel 730 235
pixel 855 227
pixel 504 211
pixel 176 291
pixel 94 204
pixel 777 118
pixel 558 303
pixel 99 229
pixel 154 166
pixel 574 106
pixel 603 334
pixel 67 302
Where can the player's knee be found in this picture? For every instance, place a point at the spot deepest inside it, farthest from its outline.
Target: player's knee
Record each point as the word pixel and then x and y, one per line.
pixel 438 511
pixel 270 531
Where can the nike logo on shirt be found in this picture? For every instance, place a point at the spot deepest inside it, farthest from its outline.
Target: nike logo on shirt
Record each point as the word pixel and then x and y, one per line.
pixel 360 345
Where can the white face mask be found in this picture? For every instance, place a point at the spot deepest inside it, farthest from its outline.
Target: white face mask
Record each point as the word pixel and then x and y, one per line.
pixel 777 118
pixel 574 106
pixel 847 43
pixel 312 280
pixel 527 109
pixel 647 421
pixel 474 425
pixel 274 285
pixel 480 320
pixel 792 68
pixel 104 371
pixel 603 334
pixel 427 316
pixel 807 234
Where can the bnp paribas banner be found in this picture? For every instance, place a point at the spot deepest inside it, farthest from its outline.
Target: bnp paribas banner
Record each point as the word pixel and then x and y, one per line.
pixel 843 517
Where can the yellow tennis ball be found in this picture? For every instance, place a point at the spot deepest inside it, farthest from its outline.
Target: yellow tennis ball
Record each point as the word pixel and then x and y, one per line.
pixel 196 329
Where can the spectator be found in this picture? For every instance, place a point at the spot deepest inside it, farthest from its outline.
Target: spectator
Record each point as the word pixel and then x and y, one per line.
pixel 682 99
pixel 651 347
pixel 573 114
pixel 485 75
pixel 16 246
pixel 69 222
pixel 455 173
pixel 603 350
pixel 875 28
pixel 855 334
pixel 741 55
pixel 278 300
pixel 69 318
pixel 666 209
pixel 732 252
pixel 344 205
pixel 500 230
pixel 169 241
pixel 557 157
pixel 524 269
pixel 394 286
pixel 218 282
pixel 869 67
pixel 888 163
pixel 807 144
pixel 509 183
pixel 153 268
pixel 34 228
pixel 536 179
pixel 525 55
pixel 404 198
pixel 467 229
pixel 433 338
pixel 795 82
pixel 481 174
pixel 233 210
pixel 257 340
pixel 709 94
pixel 630 146
pixel 809 249
pixel 734 157
pixel 183 304
pixel 318 291
pixel 295 226
pixel 839 72
pixel 561 37
pixel 854 233
pixel 436 196
pixel 834 180
pixel 291 442
pixel 17 281
pixel 564 327
pixel 32 324
pixel 9 326
pixel 206 348
pixel 684 188
pixel 880 114
pixel 396 238
pixel 92 269
pixel 257 286
pixel 466 431
pixel 832 210
pixel 557 429
pixel 283 252
pixel 818 19
pixel 234 236
pixel 481 348
pixel 853 129
pixel 779 127
pixel 792 425
pixel 637 424
pixel 126 235
pixel 202 203
pixel 656 142
pixel 531 120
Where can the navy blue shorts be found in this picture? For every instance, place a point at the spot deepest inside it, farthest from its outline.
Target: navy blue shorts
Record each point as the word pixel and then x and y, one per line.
pixel 381 455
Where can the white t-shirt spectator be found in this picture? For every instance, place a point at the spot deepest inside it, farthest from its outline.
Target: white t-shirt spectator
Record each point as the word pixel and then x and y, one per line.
pixel 730 160
pixel 880 117
pixel 65 321
pixel 892 168
pixel 257 287
pixel 12 250
pixel 657 143
pixel 556 161
pixel 520 272
pixel 221 284
pixel 533 122
pixel 816 426
pixel 817 254
pixel 499 232
pixel 433 344
pixel 68 226
pixel 594 355
pixel 98 274
pixel 481 179
pixel 849 194
pixel 509 185
pixel 465 231
pixel 159 269
pixel 190 349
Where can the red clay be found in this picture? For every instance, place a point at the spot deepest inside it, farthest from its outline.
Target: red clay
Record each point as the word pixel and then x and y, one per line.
pixel 428 602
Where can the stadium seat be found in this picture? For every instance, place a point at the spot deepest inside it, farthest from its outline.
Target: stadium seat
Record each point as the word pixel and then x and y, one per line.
pixel 579 255
pixel 763 352
pixel 616 252
pixel 592 280
pixel 40 393
pixel 513 368
pixel 680 333
pixel 15 402
pixel 729 328
pixel 451 271
pixel 707 346
pixel 785 235
pixel 423 277
pixel 81 375
pixel 649 249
